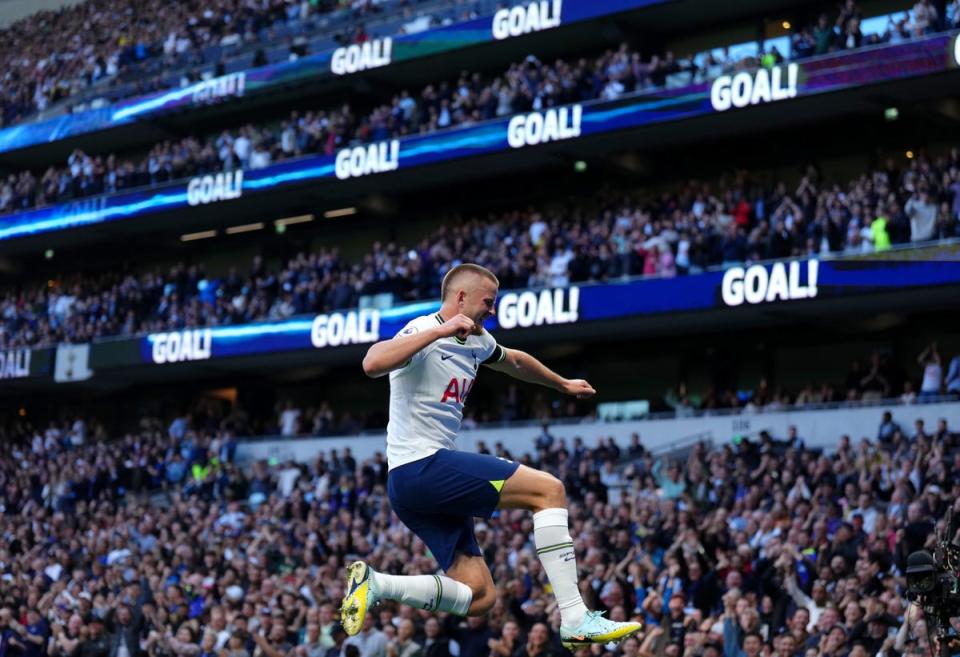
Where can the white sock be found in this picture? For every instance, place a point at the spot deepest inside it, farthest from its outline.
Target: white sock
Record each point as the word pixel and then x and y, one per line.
pixel 551 534
pixel 430 592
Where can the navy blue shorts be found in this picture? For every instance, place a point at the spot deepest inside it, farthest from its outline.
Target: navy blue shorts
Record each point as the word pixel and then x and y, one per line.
pixel 438 497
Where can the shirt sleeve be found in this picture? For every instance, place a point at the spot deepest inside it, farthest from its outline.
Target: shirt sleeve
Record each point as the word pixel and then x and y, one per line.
pixel 413 327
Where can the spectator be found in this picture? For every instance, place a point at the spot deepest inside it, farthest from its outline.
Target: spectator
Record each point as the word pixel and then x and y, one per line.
pixel 538 642
pixel 823 35
pixel 404 645
pixel 874 385
pixel 908 396
pixel 929 361
pixel 126 627
pixel 879 230
pixel 923 216
pixel 289 420
pixel 435 644
pixel 671 483
pixel 925 18
pixel 370 642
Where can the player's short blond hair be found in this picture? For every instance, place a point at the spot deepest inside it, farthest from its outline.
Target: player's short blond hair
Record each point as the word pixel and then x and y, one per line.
pixel 457 272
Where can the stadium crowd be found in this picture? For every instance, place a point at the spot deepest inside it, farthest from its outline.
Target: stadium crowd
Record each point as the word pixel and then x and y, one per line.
pixel 105 44
pixel 845 31
pixel 158 545
pixel 527 85
pixel 102 44
pixel 613 236
pixel 524 86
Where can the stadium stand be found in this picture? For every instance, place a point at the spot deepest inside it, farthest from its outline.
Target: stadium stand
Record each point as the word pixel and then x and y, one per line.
pixel 619 235
pixel 185 46
pixel 470 99
pixel 157 530
pixel 174 549
pixel 445 104
pixel 159 48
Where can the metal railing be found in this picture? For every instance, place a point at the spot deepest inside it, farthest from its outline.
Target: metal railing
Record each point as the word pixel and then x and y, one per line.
pixel 669 415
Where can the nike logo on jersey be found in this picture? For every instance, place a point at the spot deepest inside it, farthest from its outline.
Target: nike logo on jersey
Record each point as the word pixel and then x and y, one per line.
pixel 446 356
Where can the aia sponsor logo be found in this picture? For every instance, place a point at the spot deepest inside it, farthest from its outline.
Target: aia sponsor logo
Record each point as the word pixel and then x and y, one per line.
pixel 457 391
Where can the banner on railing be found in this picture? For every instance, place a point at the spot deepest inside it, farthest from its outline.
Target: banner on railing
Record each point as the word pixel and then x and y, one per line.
pixel 25 363
pixel 777 284
pixel 774 283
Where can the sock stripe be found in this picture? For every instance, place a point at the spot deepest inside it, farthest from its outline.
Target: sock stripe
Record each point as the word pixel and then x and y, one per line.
pixel 554 548
pixel 436 606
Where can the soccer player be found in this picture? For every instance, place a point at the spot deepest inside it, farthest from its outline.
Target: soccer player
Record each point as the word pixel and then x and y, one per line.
pixel 437 491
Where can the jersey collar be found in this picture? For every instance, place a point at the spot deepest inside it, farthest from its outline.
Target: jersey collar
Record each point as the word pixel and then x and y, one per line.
pixel 440 319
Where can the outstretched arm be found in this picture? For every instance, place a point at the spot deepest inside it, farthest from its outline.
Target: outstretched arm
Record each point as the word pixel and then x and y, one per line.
pixel 388 355
pixel 525 367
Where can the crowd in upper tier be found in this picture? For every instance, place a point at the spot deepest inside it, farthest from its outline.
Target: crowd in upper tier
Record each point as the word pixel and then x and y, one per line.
pixel 470 98
pixel 99 49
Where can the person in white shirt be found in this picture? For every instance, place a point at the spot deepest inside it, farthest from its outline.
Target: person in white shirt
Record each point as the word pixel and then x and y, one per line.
pixel 865 510
pixel 929 360
pixel 437 491
pixel 289 420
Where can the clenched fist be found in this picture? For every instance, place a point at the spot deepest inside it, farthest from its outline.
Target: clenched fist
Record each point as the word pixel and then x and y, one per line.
pixel 579 388
pixel 459 325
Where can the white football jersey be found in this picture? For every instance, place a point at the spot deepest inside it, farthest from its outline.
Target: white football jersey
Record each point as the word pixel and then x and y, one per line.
pixel 427 394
